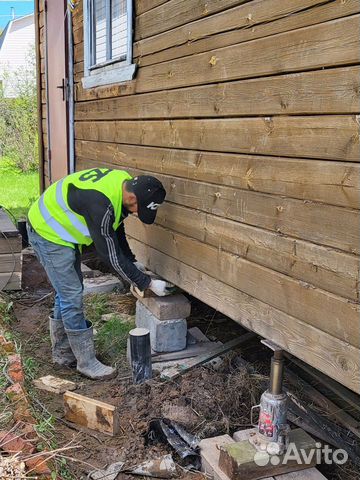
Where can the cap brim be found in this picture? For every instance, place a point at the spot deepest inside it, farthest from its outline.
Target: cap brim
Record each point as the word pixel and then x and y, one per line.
pixel 146 215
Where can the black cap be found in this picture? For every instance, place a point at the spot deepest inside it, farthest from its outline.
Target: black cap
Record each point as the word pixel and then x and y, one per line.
pixel 150 193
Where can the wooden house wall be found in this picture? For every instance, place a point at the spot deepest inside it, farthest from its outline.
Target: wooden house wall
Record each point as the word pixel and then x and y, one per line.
pixel 247 111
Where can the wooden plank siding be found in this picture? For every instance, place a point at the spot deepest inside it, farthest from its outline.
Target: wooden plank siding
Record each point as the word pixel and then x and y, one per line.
pixel 248 112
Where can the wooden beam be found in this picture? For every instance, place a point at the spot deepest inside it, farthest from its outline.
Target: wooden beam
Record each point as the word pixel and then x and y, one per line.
pixel 316 307
pixel 332 137
pixel 91 413
pixel 10 261
pixel 282 215
pixel 326 353
pixel 185 366
pixel 142 6
pixel 253 20
pixel 330 182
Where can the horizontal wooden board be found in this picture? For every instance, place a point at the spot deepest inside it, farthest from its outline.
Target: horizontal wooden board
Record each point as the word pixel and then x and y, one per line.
pixel 336 358
pixel 10 262
pixel 324 91
pixel 177 12
pixel 253 20
pixel 334 183
pixel 7 226
pixel 142 6
pixel 316 307
pixel 329 44
pixel 324 267
pixel 329 137
pixel 318 223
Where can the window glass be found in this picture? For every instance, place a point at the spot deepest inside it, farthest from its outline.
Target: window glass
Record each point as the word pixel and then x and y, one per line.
pixel 119 28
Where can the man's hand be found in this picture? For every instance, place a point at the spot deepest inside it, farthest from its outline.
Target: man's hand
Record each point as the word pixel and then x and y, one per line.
pixel 159 287
pixel 140 267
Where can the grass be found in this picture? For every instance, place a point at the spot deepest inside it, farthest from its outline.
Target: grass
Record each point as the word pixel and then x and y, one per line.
pixel 18 189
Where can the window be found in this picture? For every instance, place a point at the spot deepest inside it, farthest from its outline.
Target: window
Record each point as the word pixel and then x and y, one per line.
pixel 107 42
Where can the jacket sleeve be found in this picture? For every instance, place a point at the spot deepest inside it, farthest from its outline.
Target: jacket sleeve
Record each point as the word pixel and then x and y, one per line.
pixel 99 216
pixel 123 243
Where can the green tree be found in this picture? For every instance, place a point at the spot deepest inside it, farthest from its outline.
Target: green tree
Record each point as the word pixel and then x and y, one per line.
pixel 18 116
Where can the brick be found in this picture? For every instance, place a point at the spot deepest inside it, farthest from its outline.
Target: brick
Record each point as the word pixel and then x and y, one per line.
pixel 6 347
pixel 168 308
pixel 210 453
pixel 38 465
pixel 13 443
pixel 15 370
pixel 165 335
pixel 16 393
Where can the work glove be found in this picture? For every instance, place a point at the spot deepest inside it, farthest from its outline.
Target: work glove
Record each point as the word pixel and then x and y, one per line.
pixel 140 266
pixel 160 287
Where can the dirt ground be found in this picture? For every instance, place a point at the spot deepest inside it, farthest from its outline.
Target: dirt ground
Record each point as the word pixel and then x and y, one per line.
pixel 207 402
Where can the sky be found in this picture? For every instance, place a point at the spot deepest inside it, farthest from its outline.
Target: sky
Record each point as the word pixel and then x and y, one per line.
pixel 21 8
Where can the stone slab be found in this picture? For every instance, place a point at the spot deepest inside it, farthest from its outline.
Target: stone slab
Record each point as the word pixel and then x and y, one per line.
pixel 169 307
pixel 241 459
pixel 103 284
pixel 165 335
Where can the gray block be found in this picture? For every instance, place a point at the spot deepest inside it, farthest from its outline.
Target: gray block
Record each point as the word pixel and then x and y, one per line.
pixel 165 335
pixel 168 308
pixel 104 284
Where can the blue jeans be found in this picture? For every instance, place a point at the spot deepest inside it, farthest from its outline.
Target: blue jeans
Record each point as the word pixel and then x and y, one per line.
pixel 63 267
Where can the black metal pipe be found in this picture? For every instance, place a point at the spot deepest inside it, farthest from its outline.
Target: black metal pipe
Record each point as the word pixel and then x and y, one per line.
pixel 140 354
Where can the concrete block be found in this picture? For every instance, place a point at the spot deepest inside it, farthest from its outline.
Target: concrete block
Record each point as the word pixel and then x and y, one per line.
pixel 169 307
pixel 104 284
pixel 165 335
pixel 241 460
pixel 210 453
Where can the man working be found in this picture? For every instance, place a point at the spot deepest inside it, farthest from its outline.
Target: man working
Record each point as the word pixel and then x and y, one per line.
pixel 85 207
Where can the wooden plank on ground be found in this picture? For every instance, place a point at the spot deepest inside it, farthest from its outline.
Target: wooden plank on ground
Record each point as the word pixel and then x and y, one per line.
pixel 337 388
pixel 325 91
pixel 10 244
pixel 7 226
pixel 334 183
pixel 9 282
pixel 332 137
pixel 233 26
pixel 326 353
pixel 316 307
pixel 282 215
pixel 187 365
pixel 91 413
pixel 10 262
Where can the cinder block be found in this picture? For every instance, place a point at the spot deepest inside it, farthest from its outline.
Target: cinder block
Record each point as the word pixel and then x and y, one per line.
pixel 104 284
pixel 165 335
pixel 169 307
pixel 210 453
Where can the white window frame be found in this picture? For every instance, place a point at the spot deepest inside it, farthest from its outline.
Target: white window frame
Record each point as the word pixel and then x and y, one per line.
pixel 111 71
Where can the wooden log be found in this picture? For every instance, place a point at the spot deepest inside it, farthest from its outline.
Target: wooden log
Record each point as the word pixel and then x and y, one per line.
pixel 330 182
pixel 282 215
pixel 233 26
pixel 333 43
pixel 332 137
pixel 325 91
pixel 173 13
pixel 326 353
pixel 91 413
pixel 314 306
pixel 142 6
pixel 333 411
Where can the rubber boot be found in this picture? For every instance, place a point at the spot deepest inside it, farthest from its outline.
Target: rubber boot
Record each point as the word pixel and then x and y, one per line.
pixel 61 349
pixel 82 344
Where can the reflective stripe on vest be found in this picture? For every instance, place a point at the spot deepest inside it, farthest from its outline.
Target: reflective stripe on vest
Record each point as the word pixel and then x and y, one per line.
pixel 54 224
pixel 83 229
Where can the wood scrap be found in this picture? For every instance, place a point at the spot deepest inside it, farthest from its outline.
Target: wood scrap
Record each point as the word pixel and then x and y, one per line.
pixel 91 413
pixel 172 373
pixel 54 384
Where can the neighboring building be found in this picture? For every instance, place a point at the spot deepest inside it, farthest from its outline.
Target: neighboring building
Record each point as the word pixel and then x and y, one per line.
pixel 247 111
pixel 16 42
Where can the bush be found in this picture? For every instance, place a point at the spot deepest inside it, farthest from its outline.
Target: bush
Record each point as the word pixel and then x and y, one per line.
pixel 18 117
